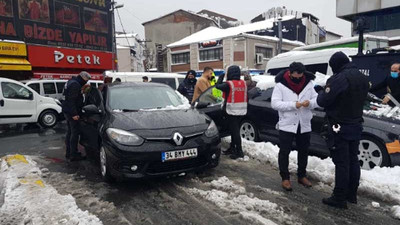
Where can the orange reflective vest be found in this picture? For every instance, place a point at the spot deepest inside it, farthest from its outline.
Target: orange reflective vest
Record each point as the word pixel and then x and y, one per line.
pixel 236 104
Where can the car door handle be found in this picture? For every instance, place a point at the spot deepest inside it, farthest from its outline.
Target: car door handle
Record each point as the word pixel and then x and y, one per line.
pixel 1 102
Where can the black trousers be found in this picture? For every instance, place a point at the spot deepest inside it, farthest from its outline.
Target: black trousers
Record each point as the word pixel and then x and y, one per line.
pixel 347 167
pixel 234 128
pixel 72 138
pixel 285 144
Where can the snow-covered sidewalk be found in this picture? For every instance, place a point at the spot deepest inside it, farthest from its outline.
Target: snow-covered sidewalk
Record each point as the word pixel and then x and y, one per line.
pixel 26 198
pixel 382 183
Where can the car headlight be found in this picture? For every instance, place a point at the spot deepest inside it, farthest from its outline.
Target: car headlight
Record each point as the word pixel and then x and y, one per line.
pixel 57 102
pixel 124 137
pixel 212 130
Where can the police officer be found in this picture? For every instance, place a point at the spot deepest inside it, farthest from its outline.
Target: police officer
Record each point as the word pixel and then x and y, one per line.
pixel 343 99
pixel 235 106
pixel 71 108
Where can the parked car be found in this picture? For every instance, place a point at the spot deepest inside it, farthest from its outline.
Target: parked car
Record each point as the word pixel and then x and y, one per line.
pixel 54 88
pixel 260 122
pixel 21 104
pixel 171 79
pixel 142 130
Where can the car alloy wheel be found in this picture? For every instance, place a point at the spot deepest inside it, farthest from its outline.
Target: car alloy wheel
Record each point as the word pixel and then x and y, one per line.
pixel 248 131
pixel 372 153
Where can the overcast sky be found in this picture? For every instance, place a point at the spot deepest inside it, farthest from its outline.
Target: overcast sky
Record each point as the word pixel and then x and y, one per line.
pixel 135 12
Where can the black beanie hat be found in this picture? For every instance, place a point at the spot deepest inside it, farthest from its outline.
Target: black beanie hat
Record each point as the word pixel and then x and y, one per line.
pixel 337 61
pixel 233 73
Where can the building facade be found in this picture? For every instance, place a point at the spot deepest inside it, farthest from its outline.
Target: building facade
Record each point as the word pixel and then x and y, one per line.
pixel 170 28
pixel 130 53
pixel 246 50
pixel 382 16
pixel 62 37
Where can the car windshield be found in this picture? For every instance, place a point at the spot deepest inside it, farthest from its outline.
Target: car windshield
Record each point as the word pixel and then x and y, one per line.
pixel 141 98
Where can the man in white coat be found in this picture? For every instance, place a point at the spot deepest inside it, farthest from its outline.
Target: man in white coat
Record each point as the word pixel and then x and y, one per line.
pixel 294 97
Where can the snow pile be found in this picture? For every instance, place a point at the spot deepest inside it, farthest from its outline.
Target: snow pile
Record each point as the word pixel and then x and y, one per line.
pixel 30 200
pixel 382 183
pixel 234 198
pixel 264 82
pixel 396 212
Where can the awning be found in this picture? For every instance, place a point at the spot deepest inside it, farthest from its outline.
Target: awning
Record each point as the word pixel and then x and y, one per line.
pixel 14 63
pixel 63 76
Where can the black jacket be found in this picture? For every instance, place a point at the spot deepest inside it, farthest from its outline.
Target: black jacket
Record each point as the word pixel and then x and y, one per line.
pixel 279 78
pixel 73 103
pixel 344 96
pixel 186 88
pixel 393 84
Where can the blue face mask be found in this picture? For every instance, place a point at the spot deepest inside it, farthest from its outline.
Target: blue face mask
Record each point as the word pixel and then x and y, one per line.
pixel 394 74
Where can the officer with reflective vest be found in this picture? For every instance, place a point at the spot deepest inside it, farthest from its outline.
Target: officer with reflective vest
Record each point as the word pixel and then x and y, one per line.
pixel 217 94
pixel 235 106
pixel 343 99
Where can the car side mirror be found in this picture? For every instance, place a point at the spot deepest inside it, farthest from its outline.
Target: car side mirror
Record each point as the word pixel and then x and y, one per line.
pixel 201 105
pixel 91 109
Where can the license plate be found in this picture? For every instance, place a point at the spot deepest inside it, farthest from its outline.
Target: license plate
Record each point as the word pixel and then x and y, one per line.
pixel 180 154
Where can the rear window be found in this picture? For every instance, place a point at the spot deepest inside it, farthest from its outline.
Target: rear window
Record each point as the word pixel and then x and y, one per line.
pixel 49 88
pixel 35 87
pixel 60 87
pixel 169 81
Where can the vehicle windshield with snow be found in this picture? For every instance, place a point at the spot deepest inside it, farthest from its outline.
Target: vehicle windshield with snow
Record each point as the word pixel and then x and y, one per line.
pixel 135 135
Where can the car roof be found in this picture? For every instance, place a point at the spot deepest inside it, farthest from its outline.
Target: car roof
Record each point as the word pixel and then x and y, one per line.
pixel 137 84
pixel 142 74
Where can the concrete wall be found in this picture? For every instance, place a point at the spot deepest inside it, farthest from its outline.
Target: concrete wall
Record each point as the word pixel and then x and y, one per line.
pixel 124 60
pixel 351 7
pixel 173 28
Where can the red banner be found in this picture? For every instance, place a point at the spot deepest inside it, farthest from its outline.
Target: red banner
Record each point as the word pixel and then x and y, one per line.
pixel 49 57
pixel 63 76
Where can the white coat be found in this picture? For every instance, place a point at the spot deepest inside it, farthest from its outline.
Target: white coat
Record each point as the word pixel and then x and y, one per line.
pixel 284 101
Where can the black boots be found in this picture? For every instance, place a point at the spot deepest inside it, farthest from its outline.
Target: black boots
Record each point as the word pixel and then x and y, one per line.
pixel 335 202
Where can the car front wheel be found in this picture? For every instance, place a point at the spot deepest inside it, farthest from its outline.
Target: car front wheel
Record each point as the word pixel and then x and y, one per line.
pixel 104 166
pixel 248 131
pixel 48 119
pixel 372 152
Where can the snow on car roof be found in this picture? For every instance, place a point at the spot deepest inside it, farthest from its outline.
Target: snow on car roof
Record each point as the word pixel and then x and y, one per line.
pixel 214 33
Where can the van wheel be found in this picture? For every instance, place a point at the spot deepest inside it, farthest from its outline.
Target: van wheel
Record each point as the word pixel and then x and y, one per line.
pixel 105 167
pixel 248 131
pixel 48 119
pixel 372 152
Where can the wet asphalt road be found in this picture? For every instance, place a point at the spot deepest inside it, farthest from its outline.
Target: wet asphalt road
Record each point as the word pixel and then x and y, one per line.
pixel 170 201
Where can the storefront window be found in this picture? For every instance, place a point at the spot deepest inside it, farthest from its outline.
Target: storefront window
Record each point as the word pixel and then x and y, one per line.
pixel 211 54
pixel 267 52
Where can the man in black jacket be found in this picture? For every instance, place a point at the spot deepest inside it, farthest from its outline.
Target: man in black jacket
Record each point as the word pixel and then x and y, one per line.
pixel 71 107
pixel 186 88
pixel 391 84
pixel 343 99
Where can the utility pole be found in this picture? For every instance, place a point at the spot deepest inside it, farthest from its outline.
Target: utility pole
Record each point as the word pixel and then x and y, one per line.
pixel 114 6
pixel 280 35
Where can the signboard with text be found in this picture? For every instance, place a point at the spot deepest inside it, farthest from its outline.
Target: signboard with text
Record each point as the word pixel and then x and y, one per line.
pixel 49 57
pixel 83 24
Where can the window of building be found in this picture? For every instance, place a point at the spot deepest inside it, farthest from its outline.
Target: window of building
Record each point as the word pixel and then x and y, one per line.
pixel 181 58
pixel 267 52
pixel 383 20
pixel 211 54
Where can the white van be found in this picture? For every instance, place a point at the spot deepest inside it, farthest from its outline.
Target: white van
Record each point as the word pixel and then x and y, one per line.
pixel 21 104
pixel 54 88
pixel 171 79
pixel 314 61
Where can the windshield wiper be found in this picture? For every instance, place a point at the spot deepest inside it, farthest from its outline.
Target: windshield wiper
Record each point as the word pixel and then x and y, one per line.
pixel 130 110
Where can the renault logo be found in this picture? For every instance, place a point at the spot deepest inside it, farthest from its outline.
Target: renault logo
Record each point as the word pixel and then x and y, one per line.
pixel 178 138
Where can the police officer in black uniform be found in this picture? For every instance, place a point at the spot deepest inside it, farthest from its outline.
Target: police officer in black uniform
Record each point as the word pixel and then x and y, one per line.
pixel 343 99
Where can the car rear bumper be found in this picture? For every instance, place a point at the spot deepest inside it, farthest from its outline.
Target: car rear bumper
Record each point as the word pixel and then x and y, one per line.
pixel 149 164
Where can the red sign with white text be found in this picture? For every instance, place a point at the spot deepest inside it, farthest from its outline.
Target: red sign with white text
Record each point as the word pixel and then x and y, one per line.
pixel 49 57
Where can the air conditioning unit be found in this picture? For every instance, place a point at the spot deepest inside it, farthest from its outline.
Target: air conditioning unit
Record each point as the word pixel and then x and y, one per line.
pixel 259 58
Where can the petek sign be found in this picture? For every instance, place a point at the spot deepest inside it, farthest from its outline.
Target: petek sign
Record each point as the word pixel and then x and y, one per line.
pixel 49 57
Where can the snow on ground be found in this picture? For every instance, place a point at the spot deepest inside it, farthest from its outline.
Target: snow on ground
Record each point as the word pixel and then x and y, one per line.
pixel 396 211
pixel 233 198
pixel 28 199
pixel 382 183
